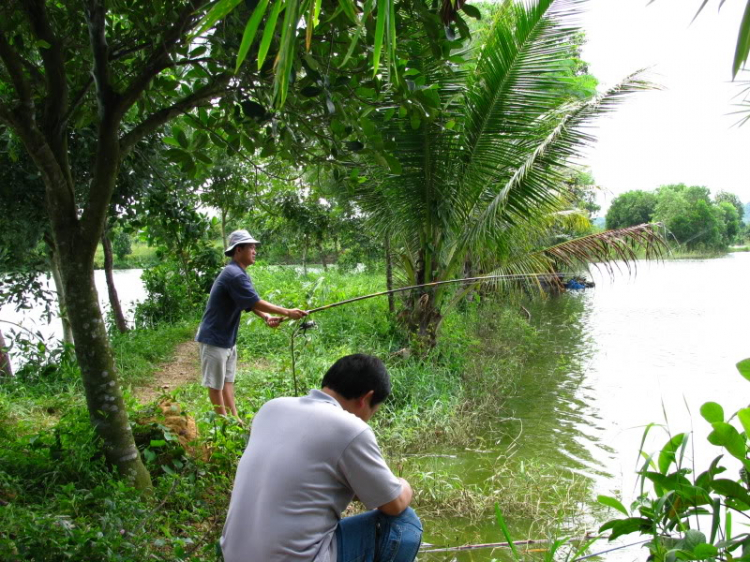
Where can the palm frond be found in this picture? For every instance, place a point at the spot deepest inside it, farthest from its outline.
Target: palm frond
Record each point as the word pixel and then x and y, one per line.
pixel 611 249
pixel 535 181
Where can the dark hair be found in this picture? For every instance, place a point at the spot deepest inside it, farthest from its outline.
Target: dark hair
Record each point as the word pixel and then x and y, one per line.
pixel 355 375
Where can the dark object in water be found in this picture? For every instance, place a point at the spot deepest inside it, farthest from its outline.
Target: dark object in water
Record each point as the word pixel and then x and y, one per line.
pixel 578 283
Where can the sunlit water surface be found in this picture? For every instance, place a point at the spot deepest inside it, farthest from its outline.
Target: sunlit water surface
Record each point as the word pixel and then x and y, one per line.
pixel 645 348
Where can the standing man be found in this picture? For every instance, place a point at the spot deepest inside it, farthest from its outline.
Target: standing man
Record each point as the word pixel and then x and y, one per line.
pixel 307 458
pixel 231 293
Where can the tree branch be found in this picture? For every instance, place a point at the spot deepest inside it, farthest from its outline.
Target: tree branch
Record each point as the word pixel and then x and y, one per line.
pixel 160 58
pixel 96 17
pixel 14 65
pixel 54 67
pixel 213 89
pixel 6 116
pixel 77 100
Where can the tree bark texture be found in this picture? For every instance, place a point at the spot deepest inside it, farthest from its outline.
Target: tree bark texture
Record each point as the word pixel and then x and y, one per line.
pixel 6 369
pixel 39 112
pixel 103 397
pixel 57 278
pixel 114 301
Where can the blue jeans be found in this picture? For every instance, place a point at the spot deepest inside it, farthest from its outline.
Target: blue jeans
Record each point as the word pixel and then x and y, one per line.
pixel 377 537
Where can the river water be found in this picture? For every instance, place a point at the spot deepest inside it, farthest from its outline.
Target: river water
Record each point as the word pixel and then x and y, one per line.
pixel 645 348
pixel 649 347
pixel 130 291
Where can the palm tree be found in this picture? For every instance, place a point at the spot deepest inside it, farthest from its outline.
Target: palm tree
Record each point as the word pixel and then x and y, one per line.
pixel 478 181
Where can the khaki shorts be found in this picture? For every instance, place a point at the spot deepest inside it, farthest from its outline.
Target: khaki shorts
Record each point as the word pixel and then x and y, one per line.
pixel 218 365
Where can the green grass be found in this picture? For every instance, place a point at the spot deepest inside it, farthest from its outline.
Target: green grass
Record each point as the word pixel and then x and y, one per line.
pixel 63 504
pixel 141 257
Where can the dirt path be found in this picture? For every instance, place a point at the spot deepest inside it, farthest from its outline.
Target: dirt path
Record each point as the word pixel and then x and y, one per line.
pixel 184 368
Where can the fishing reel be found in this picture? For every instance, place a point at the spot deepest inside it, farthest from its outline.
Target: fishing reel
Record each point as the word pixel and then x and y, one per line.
pixel 308 325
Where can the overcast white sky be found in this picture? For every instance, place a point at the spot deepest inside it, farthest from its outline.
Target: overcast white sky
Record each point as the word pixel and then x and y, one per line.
pixel 683 133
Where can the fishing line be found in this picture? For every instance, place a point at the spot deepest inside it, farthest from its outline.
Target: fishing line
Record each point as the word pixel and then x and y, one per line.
pixel 310 324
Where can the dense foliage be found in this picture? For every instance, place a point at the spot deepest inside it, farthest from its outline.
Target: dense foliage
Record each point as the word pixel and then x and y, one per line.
pixel 59 500
pixel 692 218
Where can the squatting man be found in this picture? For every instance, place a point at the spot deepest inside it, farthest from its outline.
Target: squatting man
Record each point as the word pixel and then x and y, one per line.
pixel 306 459
pixel 231 294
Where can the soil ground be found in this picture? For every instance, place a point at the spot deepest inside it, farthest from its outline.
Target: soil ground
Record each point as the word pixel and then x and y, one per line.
pixel 185 367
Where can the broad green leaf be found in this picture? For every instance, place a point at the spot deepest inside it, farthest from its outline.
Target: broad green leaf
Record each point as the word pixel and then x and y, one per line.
pixel 219 11
pixel 200 140
pixel 394 165
pixel 392 42
pixel 181 137
pixel 171 141
pixel 472 11
pixel 716 517
pixel 725 435
pixel 316 12
pixel 367 126
pixel 352 45
pixel 270 28
pixel 177 156
pixel 692 539
pixel 380 21
pixel 744 416
pixel 621 527
pixel 668 453
pixel 613 503
pixel 250 30
pixel 203 157
pixel 743 43
pixel 158 443
pixel 712 412
pixel 367 93
pixel 744 368
pixel 349 9
pixel 731 489
pixel 704 550
pixel 286 55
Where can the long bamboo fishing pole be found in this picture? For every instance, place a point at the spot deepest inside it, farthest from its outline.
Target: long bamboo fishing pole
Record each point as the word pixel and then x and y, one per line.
pixel 306 325
pixel 435 284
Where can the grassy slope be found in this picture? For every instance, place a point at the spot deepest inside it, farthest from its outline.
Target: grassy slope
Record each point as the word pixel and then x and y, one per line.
pixel 61 501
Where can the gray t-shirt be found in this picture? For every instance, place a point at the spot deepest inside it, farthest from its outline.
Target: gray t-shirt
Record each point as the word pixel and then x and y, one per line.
pixel 305 461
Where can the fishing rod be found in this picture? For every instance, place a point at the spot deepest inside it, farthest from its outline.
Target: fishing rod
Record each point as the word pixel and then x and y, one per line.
pixel 309 324
pixel 435 284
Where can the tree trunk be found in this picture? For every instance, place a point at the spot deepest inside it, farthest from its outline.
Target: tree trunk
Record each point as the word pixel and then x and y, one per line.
pixel 389 274
pixel 426 321
pixel 103 396
pixel 323 258
pixel 304 258
pixel 6 369
pixel 114 301
pixel 224 227
pixel 54 264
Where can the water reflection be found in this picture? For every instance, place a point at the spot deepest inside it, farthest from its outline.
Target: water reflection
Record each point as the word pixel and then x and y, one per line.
pixel 646 348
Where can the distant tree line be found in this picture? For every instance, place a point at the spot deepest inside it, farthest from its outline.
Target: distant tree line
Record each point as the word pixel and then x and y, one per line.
pixel 693 219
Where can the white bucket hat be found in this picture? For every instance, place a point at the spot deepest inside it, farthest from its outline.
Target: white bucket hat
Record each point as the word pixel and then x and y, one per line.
pixel 239 237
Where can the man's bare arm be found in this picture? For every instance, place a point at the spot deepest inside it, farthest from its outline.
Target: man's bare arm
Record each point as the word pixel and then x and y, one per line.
pixel 265 306
pixel 398 505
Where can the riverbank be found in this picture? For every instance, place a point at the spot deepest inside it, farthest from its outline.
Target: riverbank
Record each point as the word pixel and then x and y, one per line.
pixel 52 480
